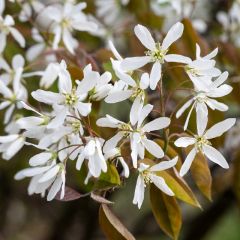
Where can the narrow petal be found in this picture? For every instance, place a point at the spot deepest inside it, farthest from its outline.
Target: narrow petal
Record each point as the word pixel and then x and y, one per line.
pixel 202 118
pixel 40 159
pixel 164 165
pixel 188 162
pixel 184 142
pixel 185 106
pixel 215 156
pixel 134 113
pixel 160 183
pixel 118 96
pixel 157 124
pixel 173 35
pixel 155 75
pixel 218 129
pixel 50 174
pixel 139 192
pixel 153 148
pixel 144 37
pixel 112 142
pixel 133 63
pixel 177 58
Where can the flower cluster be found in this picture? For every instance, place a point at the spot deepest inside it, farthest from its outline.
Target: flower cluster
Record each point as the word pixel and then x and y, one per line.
pixel 60 117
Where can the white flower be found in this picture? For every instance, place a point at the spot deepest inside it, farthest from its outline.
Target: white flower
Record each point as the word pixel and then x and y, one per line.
pixel 11 97
pixel 204 98
pixel 136 131
pixel 110 10
pixel 6 28
pixel 157 53
pixel 29 8
pixel 135 90
pixel 93 153
pixel 69 99
pixel 46 175
pixel 202 144
pixel 147 175
pixel 202 69
pixel 10 145
pixel 34 51
pixel 66 18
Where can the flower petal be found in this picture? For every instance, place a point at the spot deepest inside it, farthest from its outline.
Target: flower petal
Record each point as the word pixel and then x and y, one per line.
pixel 215 156
pixel 218 129
pixel 188 162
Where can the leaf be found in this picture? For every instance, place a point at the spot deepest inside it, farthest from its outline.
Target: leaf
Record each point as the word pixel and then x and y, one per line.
pixel 202 176
pixel 109 179
pixel 100 199
pixel 70 195
pixel 180 188
pixel 166 212
pixel 111 225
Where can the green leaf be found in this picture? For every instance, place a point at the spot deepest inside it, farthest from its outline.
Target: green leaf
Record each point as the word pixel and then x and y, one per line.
pixel 202 175
pixel 109 179
pixel 111 225
pixel 166 212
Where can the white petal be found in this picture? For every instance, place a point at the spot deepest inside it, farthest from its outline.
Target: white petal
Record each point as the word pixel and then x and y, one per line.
pixel 185 106
pixel 118 96
pixel 153 148
pixel 164 165
pixel 160 183
pixel 112 142
pixel 218 129
pixel 144 36
pixel 40 159
pixel 173 35
pixel 215 156
pixel 47 97
pixel 188 162
pixel 155 75
pixel 145 81
pixel 202 118
pixel 157 124
pixel 188 118
pixel 177 58
pixel 144 113
pixel 50 174
pixel 184 142
pixel 134 113
pixel 84 108
pixel 18 37
pixel 133 63
pixel 214 104
pixel 55 188
pixel 139 192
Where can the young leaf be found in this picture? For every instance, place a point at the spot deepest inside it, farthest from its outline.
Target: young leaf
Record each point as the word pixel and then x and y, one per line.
pixel 70 195
pixel 100 199
pixel 166 212
pixel 109 179
pixel 111 225
pixel 180 188
pixel 202 176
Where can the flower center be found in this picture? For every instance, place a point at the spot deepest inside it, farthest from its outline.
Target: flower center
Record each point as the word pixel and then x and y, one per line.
pixel 192 71
pixel 157 54
pixel 146 177
pixel 137 91
pixel 76 126
pixel 201 97
pixel 201 141
pixel 126 128
pixel 71 98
